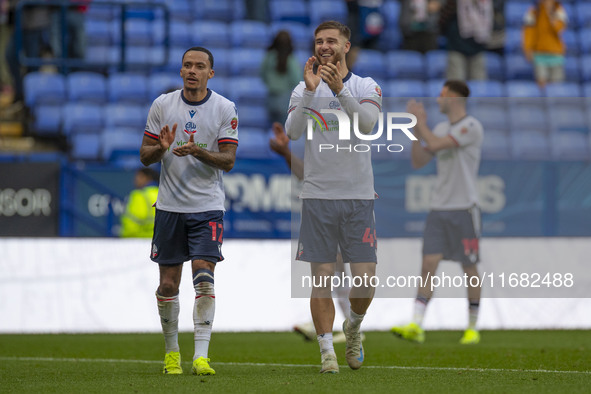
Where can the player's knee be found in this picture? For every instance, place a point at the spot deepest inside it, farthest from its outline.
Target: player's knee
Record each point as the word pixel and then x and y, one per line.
pixel 168 288
pixel 203 282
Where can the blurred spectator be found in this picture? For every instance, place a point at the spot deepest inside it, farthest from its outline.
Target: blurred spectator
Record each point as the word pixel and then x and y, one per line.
pixel 467 25
pixel 75 39
pixel 418 24
pixel 366 23
pixel 542 43
pixel 281 73
pixel 497 38
pixel 5 29
pixel 35 22
pixel 138 219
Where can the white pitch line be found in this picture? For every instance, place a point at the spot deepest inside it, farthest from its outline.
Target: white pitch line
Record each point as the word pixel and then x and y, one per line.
pixel 113 360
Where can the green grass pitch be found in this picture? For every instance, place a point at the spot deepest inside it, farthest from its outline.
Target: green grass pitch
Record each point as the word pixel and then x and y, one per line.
pixel 504 362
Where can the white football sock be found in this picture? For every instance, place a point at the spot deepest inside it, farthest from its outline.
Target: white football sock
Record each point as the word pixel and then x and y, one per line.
pixel 168 309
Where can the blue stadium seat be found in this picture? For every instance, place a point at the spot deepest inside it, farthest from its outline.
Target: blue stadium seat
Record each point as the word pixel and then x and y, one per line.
pixel 181 10
pixel 162 82
pixel 517 67
pixel 514 13
pixel 138 32
pixel 218 10
pixel 390 39
pixel 120 138
pixel 495 66
pixel 405 64
pixel 391 12
pixel 223 59
pixel 492 117
pixel 80 118
pixel 173 59
pixel 323 10
pixel 209 33
pixel 132 116
pixel 569 145
pixel 436 63
pixel 47 119
pixel 495 145
pixel 253 116
pixel 571 41
pixel 86 86
pixel 486 89
pixel 568 118
pixel 405 89
pixel 302 36
pixel 248 91
pixel 250 61
pixel 522 89
pixel 583 14
pixel 129 87
pixel 530 116
pixel 101 55
pixel 587 89
pixel 585 67
pixel 249 34
pixel 584 42
pixel 44 88
pixel 529 145
pixel 254 143
pixel 102 12
pixel 85 146
pixel 563 89
pixel 302 56
pixel 98 32
pixel 573 22
pixel 138 58
pixel 513 40
pixel 433 87
pixel 220 85
pixel 289 10
pixel 572 69
pixel 181 34
pixel 370 63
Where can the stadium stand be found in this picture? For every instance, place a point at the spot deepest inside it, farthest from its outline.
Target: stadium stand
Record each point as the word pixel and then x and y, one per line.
pixel 87 87
pixel 220 26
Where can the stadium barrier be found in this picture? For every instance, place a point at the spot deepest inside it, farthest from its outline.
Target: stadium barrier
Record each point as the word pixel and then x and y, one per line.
pixel 107 285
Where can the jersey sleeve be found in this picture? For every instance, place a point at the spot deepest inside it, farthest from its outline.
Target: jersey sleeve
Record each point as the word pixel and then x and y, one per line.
pixel 152 129
pixel 470 134
pixel 228 133
pixel 372 93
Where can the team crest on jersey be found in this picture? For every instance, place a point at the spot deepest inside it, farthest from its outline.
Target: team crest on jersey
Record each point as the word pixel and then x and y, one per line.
pixel 378 91
pixel 192 113
pixel 464 130
pixel 334 104
pixel 154 251
pixel 190 128
pixel 234 123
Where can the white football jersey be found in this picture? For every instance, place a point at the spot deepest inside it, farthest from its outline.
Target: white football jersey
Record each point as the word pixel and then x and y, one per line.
pixel 188 185
pixel 457 168
pixel 335 174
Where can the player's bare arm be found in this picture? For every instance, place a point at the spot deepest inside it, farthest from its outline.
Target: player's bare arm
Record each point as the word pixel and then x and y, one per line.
pixel 280 144
pixel 224 159
pixel 152 150
pixel 433 143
